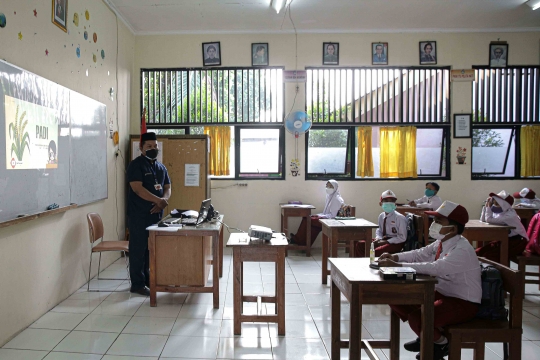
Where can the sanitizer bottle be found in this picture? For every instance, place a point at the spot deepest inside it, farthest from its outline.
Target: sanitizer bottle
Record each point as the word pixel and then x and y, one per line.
pixel 372 253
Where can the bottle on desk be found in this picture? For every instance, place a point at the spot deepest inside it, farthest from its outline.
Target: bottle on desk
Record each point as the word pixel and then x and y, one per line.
pixel 372 253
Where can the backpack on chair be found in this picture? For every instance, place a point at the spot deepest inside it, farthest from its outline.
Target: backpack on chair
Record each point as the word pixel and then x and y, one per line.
pixel 492 306
pixel 412 237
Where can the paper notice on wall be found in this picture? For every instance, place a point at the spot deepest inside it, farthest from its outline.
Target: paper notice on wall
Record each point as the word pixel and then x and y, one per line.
pixel 192 174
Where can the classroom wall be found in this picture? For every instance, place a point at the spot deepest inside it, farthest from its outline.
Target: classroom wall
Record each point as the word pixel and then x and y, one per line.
pixel 244 206
pixel 44 261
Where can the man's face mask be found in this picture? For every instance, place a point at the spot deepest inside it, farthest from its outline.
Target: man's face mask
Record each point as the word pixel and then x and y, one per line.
pixel 429 192
pixel 152 153
pixel 388 207
pixel 435 229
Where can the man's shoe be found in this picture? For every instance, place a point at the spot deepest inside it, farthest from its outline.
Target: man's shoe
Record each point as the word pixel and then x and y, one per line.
pixel 144 291
pixel 413 346
pixel 439 351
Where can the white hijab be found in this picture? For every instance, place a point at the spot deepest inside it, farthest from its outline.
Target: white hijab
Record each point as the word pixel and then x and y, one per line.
pixel 333 201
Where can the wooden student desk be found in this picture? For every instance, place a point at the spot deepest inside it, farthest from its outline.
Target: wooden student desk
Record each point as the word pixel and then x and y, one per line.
pixel 476 230
pixel 526 214
pixel 297 210
pixel 245 249
pixel 180 260
pixel 402 209
pixel 362 285
pixel 348 230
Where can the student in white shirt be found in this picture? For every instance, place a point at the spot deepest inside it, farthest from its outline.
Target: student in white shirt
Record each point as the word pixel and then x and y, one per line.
pixel 430 200
pixel 332 205
pixel 498 210
pixel 391 234
pixel 527 199
pixel 452 259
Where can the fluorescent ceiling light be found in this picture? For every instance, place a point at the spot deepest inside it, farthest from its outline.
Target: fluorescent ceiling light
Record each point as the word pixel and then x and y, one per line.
pixel 278 5
pixel 534 4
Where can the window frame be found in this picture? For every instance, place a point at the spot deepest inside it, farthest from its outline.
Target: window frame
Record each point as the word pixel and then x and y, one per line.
pixel 517 161
pixel 351 142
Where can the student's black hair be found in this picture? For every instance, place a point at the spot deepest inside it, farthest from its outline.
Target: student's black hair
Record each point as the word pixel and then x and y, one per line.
pixel 211 47
pixel 460 227
pixel 434 184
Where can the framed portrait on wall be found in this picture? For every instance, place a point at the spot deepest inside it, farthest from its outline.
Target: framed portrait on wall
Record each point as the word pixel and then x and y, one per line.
pixel 259 54
pixel 462 126
pixel 428 52
pixel 380 53
pixel 59 13
pixel 211 53
pixel 498 55
pixel 330 53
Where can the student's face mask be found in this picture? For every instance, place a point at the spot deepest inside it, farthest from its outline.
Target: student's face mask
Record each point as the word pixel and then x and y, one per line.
pixel 152 153
pixel 388 207
pixel 435 229
pixel 329 191
pixel 496 209
pixel 429 192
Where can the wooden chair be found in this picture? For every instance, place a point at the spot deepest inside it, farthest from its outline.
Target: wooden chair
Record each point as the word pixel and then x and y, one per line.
pixel 533 260
pixel 477 332
pixel 95 227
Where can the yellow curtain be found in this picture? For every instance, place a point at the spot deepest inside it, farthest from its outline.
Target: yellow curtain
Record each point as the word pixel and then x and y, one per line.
pixel 398 152
pixel 220 146
pixel 530 150
pixel 364 165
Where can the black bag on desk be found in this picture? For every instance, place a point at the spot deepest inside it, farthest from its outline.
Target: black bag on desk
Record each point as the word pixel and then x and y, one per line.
pixel 492 306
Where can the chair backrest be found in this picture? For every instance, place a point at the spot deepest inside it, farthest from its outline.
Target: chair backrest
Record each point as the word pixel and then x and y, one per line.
pixel 414 232
pixel 419 225
pixel 513 284
pixel 95 226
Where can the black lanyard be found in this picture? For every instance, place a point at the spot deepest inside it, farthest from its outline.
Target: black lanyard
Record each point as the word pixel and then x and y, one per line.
pixel 154 172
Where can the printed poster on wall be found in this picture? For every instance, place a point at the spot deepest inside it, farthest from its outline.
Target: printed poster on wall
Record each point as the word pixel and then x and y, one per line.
pixel 31 135
pixel 192 175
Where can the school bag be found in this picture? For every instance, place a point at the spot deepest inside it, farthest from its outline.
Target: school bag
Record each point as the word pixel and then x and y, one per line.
pixel 492 306
pixel 412 237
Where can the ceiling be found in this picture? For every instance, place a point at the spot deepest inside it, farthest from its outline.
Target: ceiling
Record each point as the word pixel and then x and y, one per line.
pixel 325 16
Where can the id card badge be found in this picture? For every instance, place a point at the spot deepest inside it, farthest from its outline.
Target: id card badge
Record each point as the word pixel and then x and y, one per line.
pixel 157 186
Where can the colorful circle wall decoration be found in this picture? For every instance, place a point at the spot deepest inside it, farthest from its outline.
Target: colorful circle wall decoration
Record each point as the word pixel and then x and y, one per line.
pixel 95 37
pixel 103 54
pixel 76 19
pixel 2 20
pixel 86 35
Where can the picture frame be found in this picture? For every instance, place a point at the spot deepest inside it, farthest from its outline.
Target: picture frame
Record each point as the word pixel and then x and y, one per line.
pixel 462 126
pixel 59 13
pixel 379 52
pixel 259 54
pixel 330 53
pixel 498 54
pixel 211 52
pixel 428 52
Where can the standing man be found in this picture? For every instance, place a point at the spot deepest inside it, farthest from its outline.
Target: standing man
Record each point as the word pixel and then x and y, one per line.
pixel 149 192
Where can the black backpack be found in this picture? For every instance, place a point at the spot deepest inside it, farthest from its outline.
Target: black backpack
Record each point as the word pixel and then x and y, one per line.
pixel 412 238
pixel 492 306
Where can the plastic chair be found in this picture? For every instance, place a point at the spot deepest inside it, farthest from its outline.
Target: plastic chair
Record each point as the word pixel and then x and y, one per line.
pixel 95 227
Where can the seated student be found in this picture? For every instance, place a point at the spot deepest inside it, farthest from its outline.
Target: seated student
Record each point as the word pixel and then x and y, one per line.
pixel 533 232
pixel 498 210
pixel 527 198
pixel 453 261
pixel 331 207
pixel 391 234
pixel 430 199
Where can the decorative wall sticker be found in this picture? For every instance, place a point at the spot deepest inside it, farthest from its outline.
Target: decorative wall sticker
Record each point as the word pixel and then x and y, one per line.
pixel 76 19
pixel 461 155
pixel 78 51
pixel 87 15
pixel 35 12
pixel 85 35
pixel 20 35
pixel 103 54
pixel 95 37
pixel 2 20
pixel 295 167
pixel 94 57
pixel 46 52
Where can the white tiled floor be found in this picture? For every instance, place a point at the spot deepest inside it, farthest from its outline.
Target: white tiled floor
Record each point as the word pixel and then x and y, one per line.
pixel 122 326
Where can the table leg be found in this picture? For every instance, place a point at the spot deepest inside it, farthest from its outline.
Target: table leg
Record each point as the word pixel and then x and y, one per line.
pixel 152 251
pixel 221 251
pixel 324 265
pixel 355 324
pixel 280 291
pixel 308 235
pixel 334 245
pixel 426 334
pixel 504 248
pixel 285 226
pixel 335 318
pixel 237 290
pixel 281 223
pixel 215 270
pixel 367 240
pixel 394 336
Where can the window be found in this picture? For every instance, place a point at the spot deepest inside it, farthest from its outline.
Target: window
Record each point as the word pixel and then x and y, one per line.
pixel 504 100
pixel 339 100
pixel 185 101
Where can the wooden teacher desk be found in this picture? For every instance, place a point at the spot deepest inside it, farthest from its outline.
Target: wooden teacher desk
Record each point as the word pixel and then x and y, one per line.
pixel 297 210
pixel 348 230
pixel 362 285
pixel 402 209
pixel 476 230
pixel 180 259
